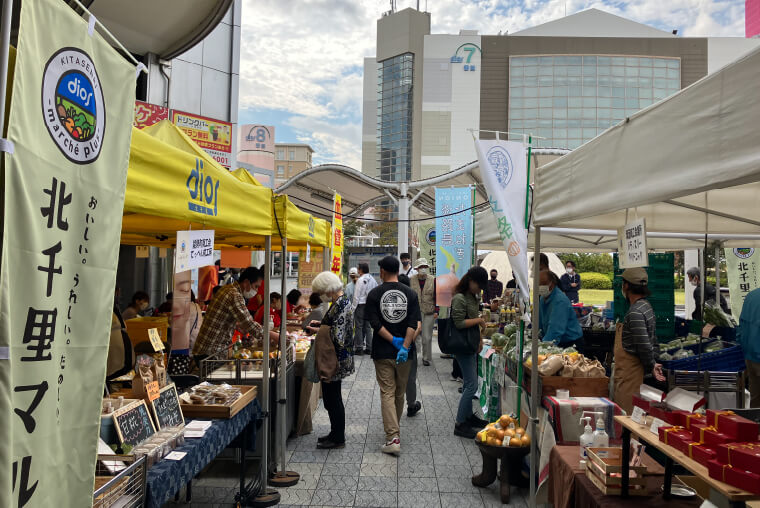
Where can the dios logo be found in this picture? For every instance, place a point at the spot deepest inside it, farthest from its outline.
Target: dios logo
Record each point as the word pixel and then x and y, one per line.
pixel 312 226
pixel 73 108
pixel 501 165
pixel 743 253
pixel 204 191
pixel 430 236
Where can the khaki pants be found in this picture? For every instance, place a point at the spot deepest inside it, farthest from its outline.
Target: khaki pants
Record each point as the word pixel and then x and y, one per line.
pixel 428 321
pixel 753 374
pixel 392 380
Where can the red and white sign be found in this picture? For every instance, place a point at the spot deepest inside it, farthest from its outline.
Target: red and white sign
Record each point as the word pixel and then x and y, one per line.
pixel 147 114
pixel 214 136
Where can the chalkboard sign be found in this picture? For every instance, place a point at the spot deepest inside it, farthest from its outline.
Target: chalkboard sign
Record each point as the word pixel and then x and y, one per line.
pixel 166 408
pixel 133 423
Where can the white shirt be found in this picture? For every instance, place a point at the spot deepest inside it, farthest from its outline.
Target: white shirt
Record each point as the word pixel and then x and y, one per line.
pixel 410 273
pixel 364 285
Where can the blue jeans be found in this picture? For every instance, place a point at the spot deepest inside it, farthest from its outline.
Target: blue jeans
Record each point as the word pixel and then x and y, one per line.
pixel 469 365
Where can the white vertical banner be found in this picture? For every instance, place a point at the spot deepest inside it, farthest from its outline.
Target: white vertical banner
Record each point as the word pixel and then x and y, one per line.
pixel 632 244
pixel 503 168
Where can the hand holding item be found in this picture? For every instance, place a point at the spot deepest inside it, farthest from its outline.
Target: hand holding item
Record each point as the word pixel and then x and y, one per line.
pixel 398 342
pixel 403 355
pixel 481 322
pixel 657 372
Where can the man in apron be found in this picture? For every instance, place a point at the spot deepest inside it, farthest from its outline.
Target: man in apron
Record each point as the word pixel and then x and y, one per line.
pixel 635 341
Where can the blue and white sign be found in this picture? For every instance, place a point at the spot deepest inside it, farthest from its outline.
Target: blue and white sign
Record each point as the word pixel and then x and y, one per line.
pixel 453 242
pixel 464 54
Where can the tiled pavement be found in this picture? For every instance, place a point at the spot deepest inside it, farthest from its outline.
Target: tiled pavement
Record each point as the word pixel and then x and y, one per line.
pixel 434 468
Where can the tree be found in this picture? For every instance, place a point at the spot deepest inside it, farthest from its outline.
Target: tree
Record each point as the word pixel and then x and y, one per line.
pixel 587 262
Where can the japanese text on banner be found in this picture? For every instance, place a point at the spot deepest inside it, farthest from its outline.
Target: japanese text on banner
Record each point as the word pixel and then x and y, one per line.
pixel 743 268
pixel 633 244
pixel 426 239
pixel 337 237
pixel 453 239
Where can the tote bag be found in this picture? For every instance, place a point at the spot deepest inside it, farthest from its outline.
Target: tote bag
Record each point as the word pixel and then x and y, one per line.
pixel 453 341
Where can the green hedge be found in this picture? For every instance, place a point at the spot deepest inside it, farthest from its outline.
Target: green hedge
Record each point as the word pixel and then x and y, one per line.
pixel 595 280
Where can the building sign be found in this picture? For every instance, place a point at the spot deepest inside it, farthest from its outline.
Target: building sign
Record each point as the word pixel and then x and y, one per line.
pixel 453 241
pixel 463 55
pixel 147 114
pixel 308 269
pixel 194 249
pixel 632 239
pixel 256 146
pixel 64 185
pixel 426 240
pixel 214 136
pixel 743 268
pixel 203 191
pixel 337 236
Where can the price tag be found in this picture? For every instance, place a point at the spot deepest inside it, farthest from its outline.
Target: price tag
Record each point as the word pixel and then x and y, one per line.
pixel 152 390
pixel 194 434
pixel 176 456
pixel 155 339
pixel 656 424
pixel 639 415
pixel 308 252
pixel 488 353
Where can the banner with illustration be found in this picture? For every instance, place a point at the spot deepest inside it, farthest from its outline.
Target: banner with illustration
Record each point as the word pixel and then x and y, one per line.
pixel 743 269
pixel 453 241
pixel 337 237
pixel 307 270
pixel 214 136
pixel 70 124
pixel 426 241
pixel 503 168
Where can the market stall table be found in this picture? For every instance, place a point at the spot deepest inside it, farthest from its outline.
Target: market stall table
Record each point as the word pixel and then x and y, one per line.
pixel 166 478
pixel 736 497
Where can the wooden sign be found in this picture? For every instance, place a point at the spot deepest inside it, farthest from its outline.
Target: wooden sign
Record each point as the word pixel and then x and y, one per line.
pixel 152 390
pixel 155 339
pixel 166 408
pixel 133 423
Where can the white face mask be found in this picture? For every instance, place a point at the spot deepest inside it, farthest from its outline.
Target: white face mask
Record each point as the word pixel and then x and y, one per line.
pixel 422 272
pixel 249 294
pixel 693 282
pixel 570 270
pixel 543 291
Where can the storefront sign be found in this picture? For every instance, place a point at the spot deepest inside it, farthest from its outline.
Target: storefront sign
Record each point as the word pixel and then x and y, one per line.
pixel 214 136
pixel 426 240
pixel 307 270
pixel 72 101
pixel 337 236
pixel 193 250
pixel 463 55
pixel 632 239
pixel 453 239
pixel 505 176
pixel 147 114
pixel 743 268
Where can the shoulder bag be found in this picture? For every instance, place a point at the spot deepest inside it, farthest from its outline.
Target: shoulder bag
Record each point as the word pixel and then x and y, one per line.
pixel 453 341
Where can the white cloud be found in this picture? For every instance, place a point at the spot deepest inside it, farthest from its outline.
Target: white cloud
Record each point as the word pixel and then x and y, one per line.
pixel 304 58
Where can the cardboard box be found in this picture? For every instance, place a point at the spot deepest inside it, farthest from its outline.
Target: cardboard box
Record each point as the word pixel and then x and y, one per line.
pixel 741 455
pixel 735 477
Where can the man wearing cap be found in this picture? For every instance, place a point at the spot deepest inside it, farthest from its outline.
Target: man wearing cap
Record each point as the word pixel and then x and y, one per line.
pixel 424 287
pixel 635 340
pixel 353 276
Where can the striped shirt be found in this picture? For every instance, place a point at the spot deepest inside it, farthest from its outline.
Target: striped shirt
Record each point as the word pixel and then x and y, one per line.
pixel 639 333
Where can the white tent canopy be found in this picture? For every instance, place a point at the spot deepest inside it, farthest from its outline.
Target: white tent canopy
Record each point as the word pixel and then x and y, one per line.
pixel 690 163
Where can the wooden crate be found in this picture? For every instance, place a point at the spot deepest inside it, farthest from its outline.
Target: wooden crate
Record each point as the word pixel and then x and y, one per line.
pixel 578 386
pixel 248 393
pixel 137 328
pixel 603 468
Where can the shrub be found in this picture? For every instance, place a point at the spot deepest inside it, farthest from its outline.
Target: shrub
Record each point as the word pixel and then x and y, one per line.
pixel 595 280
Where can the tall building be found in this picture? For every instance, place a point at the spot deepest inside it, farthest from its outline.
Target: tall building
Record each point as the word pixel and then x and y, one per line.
pixel 564 82
pixel 291 159
pixel 752 18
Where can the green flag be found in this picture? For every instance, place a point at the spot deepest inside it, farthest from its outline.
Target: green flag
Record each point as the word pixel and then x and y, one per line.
pixel 70 124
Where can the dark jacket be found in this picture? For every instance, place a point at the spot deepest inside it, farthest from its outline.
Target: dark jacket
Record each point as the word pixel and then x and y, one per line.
pixel 570 292
pixel 709 298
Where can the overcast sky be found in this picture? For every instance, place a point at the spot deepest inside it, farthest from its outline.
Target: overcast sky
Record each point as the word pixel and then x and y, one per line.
pixel 301 61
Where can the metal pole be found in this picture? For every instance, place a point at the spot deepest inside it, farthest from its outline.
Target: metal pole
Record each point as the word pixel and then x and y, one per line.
pixel 702 284
pixel 5 47
pixel 265 368
pixel 717 273
pixel 282 407
pixel 535 397
pixel 403 217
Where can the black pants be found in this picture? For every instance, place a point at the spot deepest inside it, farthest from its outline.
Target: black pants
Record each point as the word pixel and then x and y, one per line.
pixel 333 401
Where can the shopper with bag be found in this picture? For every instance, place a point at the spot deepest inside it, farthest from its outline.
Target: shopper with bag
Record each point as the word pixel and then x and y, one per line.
pixel 635 340
pixel 334 354
pixel 464 337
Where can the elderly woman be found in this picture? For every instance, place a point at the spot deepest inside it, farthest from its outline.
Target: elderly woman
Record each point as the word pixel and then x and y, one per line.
pixel 339 323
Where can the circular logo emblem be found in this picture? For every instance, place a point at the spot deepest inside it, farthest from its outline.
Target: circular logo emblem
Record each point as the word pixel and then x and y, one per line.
pixel 430 236
pixel 514 249
pixel 501 165
pixel 393 305
pixel 743 253
pixel 72 105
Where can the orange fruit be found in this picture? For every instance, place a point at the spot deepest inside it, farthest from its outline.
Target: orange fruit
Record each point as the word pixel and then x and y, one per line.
pixel 504 421
pixel 519 431
pixel 479 436
pixel 525 440
pixel 509 433
pixel 499 435
pixel 515 441
pixel 492 442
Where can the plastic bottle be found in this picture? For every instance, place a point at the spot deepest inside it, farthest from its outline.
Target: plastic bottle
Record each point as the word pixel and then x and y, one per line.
pixel 601 439
pixel 587 438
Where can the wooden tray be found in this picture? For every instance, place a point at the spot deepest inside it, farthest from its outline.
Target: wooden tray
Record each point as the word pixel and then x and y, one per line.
pixel 578 386
pixel 248 393
pixel 602 463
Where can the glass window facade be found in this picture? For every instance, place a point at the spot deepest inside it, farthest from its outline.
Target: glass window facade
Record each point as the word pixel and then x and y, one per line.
pixel 570 99
pixel 395 79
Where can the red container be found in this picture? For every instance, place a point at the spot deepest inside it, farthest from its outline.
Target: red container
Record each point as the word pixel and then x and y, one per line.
pixel 638 401
pixel 678 417
pixel 694 418
pixel 698 429
pixel 714 438
pixel 734 476
pixel 674 436
pixel 738 428
pixel 700 452
pixel 741 455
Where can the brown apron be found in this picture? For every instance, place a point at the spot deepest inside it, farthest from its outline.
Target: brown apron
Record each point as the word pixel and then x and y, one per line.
pixel 629 373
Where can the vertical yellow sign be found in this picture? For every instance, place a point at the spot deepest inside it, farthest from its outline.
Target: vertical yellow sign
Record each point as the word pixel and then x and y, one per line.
pixel 337 236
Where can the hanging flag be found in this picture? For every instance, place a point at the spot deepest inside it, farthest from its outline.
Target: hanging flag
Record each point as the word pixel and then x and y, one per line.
pixel 426 240
pixel 504 173
pixel 70 124
pixel 743 269
pixel 337 236
pixel 453 239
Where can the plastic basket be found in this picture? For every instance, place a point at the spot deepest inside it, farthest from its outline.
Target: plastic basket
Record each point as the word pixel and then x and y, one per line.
pixel 726 360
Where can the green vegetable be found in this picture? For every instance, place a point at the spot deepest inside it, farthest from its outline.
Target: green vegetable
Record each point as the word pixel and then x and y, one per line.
pixel 714 315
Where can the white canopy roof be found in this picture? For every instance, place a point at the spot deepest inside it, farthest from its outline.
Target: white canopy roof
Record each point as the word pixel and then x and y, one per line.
pixel 690 163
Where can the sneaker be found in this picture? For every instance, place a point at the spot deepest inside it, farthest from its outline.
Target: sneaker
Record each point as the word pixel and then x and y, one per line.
pixel 457 379
pixel 393 447
pixel 464 430
pixel 413 410
pixel 426 363
pixel 330 445
pixel 323 438
pixel 477 422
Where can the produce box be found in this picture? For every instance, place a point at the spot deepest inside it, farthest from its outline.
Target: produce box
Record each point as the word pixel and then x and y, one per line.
pixel 741 455
pixel 604 469
pixel 578 386
pixel 247 394
pixel 735 477
pixel 736 427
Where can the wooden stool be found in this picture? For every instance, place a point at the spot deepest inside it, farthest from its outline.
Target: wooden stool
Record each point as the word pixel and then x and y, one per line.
pixel 511 465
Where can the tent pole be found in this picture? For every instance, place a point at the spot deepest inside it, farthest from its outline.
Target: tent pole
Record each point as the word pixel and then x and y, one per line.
pixel 265 368
pixel 717 272
pixel 5 48
pixel 535 397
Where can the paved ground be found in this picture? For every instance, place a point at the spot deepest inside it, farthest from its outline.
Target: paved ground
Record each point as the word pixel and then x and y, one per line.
pixel 434 468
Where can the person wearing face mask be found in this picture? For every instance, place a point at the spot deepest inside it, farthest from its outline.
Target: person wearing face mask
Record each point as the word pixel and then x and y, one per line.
pixel 570 283
pixel 406 265
pixel 694 274
pixel 635 340
pixel 140 301
pixel 339 323
pixel 275 306
pixel 494 287
pixel 557 319
pixel 424 288
pixel 353 276
pixel 228 310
